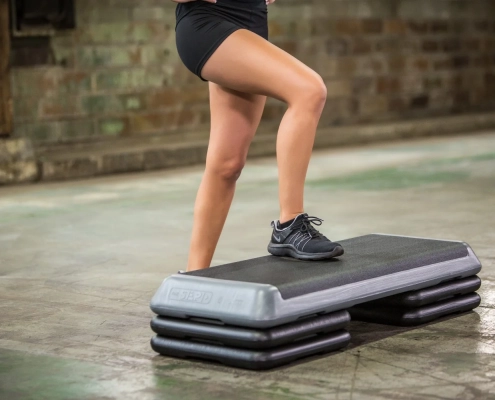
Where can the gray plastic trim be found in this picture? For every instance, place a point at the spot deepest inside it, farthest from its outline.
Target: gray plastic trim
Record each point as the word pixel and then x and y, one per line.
pixel 261 306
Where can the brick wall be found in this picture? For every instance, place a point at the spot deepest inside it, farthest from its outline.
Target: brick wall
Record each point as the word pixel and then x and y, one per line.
pixel 118 74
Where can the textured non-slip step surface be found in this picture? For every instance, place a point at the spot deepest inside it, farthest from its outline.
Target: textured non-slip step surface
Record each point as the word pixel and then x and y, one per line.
pixel 250 338
pixel 252 359
pixel 415 316
pixel 366 257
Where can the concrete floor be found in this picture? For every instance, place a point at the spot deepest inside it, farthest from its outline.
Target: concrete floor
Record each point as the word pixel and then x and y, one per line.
pixel 80 261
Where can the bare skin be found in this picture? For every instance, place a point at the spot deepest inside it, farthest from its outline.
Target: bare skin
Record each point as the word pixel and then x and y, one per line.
pixel 239 83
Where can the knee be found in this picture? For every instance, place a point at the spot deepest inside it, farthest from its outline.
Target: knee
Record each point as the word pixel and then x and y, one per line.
pixel 227 170
pixel 312 94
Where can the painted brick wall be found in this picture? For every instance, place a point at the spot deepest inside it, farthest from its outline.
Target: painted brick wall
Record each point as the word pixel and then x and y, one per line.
pixel 118 74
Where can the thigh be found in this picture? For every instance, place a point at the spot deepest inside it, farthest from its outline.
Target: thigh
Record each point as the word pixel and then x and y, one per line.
pixel 235 117
pixel 248 63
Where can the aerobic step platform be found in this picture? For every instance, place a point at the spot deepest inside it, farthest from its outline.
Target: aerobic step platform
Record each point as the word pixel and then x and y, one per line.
pixel 415 316
pixel 270 291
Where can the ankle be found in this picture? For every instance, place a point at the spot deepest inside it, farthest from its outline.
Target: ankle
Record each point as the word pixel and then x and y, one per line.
pixel 288 217
pixel 190 269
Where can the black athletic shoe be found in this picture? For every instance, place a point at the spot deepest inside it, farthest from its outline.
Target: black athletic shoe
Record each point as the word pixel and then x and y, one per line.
pixel 302 241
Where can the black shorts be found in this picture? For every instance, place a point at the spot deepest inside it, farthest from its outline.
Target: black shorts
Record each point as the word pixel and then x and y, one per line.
pixel 201 27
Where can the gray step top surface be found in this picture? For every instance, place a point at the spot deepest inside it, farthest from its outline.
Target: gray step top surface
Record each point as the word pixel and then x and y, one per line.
pixel 366 257
pixel 268 291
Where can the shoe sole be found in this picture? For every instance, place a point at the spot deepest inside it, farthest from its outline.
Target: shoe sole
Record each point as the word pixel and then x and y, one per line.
pixel 286 250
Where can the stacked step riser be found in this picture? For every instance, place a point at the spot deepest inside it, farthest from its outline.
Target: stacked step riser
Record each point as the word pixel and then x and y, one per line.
pixel 250 347
pixel 421 306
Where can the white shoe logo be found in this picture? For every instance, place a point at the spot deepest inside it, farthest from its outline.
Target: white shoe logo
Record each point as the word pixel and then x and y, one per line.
pixel 277 238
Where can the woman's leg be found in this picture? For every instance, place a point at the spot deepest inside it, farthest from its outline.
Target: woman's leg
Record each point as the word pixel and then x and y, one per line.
pixel 248 63
pixel 235 116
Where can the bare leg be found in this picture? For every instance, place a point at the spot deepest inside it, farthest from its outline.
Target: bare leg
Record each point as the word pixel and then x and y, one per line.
pixel 295 141
pixel 235 116
pixel 265 70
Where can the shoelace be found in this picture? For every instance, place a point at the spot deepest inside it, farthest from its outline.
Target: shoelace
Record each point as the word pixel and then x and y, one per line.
pixel 306 226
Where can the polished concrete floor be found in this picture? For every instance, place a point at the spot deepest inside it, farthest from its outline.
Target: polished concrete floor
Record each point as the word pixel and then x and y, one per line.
pixel 80 261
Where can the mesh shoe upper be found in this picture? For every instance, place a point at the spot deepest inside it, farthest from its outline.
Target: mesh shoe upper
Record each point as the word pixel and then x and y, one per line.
pixel 303 236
